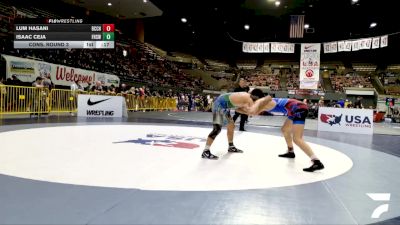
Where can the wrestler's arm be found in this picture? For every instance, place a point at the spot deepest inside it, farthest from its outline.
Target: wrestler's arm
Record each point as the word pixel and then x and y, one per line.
pixel 256 108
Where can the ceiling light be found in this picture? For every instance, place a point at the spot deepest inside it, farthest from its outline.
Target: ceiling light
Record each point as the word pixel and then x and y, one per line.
pixel 373 25
pixel 306 26
pixel 145 1
pixel 247 27
pixel 277 3
pixel 354 1
pixel 184 20
pixel 109 4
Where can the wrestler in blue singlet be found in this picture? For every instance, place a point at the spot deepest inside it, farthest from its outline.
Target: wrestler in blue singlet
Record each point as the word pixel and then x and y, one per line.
pixel 295 110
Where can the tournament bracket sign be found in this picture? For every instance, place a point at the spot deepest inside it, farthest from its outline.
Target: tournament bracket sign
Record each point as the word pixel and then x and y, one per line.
pixel 62 34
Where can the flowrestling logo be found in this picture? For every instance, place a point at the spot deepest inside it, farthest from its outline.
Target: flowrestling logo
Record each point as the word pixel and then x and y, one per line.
pixel 165 140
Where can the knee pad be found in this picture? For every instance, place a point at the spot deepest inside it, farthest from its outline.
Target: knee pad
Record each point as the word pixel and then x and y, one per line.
pixel 216 130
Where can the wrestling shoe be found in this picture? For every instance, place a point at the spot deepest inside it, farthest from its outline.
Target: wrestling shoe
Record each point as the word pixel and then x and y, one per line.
pixel 207 154
pixel 290 155
pixel 317 165
pixel 234 149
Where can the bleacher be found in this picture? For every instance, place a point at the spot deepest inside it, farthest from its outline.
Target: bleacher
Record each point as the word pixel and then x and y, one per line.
pixel 350 80
pixel 260 79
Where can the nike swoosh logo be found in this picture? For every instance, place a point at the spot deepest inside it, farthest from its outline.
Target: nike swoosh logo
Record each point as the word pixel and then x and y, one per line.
pixel 97 102
pixel 307 47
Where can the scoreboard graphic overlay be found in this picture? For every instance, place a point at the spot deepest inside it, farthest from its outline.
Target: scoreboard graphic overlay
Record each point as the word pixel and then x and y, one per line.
pixel 62 34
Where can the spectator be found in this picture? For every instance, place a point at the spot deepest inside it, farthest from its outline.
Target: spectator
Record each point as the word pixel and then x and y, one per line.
pixel 77 86
pixel 98 88
pixel 321 101
pixel 242 87
pixel 341 103
pixel 15 81
pixel 357 103
pixel 38 82
pixel 123 89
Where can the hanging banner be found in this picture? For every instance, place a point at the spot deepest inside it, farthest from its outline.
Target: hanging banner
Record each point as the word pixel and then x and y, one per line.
pixel 291 48
pixel 348 45
pixel 274 47
pixel 266 47
pixel 327 48
pixel 309 65
pixel 331 47
pixel 260 47
pixel 362 44
pixel 334 47
pixel 375 43
pixel 245 47
pixel 368 43
pixel 356 45
pixel 384 41
pixel 341 46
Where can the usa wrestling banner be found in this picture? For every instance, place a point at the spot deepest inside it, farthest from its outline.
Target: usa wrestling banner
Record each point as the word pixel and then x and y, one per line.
pixel 309 65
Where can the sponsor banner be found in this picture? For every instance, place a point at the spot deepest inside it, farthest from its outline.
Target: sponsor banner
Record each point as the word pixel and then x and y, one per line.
pixel 27 70
pixel 309 65
pixel 100 106
pixel 24 70
pixel 358 121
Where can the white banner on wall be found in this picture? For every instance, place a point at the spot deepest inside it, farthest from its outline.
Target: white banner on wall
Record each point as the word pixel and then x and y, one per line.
pixel 347 46
pixel 331 47
pixel 368 43
pixel 309 65
pixel 355 45
pixel 266 47
pixel 358 121
pixel 27 70
pixel 384 41
pixel 100 106
pixel 341 46
pixel 375 42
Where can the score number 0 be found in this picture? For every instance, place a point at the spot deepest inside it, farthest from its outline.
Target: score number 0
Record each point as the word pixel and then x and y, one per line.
pixel 108 27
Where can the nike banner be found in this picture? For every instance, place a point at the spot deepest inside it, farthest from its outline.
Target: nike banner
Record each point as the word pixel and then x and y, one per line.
pixel 100 106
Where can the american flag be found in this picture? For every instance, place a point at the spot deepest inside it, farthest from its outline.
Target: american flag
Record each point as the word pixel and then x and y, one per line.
pixel 296 26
